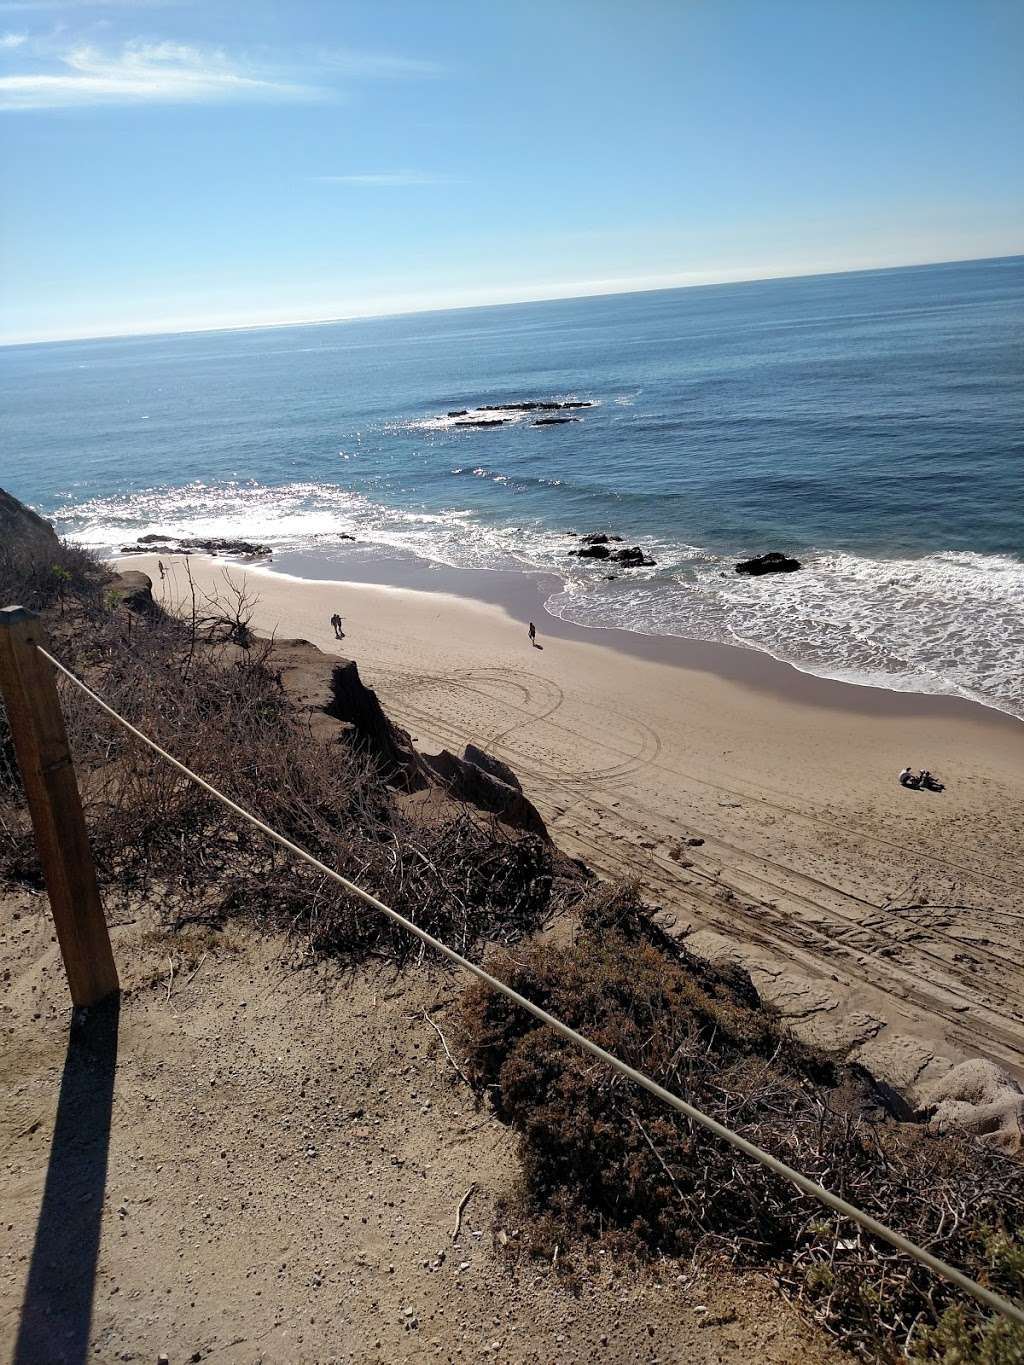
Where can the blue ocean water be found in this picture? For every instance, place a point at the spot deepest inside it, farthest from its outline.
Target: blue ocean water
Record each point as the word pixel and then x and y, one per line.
pixel 871 423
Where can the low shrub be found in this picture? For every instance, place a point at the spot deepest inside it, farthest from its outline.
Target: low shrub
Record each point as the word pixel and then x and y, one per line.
pixel 604 1158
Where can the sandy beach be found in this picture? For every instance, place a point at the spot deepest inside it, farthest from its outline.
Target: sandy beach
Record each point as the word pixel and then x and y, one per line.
pixel 759 806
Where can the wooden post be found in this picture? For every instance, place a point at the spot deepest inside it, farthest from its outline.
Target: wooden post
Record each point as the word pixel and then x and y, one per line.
pixel 41 745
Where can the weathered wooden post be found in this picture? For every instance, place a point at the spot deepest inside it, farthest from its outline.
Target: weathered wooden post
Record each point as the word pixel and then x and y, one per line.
pixel 41 745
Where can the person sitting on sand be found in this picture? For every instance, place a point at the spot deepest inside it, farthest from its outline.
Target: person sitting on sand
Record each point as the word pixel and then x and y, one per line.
pixel 907 779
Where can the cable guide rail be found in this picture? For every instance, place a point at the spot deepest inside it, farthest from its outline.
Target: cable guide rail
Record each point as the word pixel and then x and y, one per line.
pixel 991 1300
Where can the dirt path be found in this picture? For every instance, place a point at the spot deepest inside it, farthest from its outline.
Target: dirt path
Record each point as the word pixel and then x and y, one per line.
pixel 268 1167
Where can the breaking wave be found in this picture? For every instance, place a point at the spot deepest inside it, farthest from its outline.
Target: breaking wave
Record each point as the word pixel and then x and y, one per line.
pixel 946 623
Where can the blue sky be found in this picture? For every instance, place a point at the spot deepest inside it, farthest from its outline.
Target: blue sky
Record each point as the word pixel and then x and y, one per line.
pixel 170 166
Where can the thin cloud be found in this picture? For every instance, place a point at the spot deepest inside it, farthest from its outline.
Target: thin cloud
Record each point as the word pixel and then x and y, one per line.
pixel 386 179
pixel 143 73
pixel 377 65
pixel 176 73
pixel 9 41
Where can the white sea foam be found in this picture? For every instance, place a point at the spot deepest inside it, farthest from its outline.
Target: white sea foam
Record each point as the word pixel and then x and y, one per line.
pixel 949 623
pixel 946 623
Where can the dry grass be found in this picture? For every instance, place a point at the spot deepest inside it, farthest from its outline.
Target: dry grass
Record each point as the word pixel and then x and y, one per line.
pixel 602 1160
pixel 207 691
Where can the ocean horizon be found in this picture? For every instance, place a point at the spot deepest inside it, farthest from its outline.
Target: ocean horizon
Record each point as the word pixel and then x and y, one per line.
pixel 869 423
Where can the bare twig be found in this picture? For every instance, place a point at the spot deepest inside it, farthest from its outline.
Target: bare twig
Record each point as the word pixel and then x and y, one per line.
pixel 447 1053
pixel 195 969
pixel 459 1211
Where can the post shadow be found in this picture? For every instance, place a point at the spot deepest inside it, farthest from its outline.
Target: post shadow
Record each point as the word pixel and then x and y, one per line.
pixel 56 1312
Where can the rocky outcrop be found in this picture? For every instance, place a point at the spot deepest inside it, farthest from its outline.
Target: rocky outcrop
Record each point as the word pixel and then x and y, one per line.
pixel 491 765
pixel 977 1097
pixel 915 1078
pixel 156 549
pixel 550 406
pixel 22 530
pixel 388 745
pixel 773 562
pixel 479 786
pixel 633 558
pixel 134 590
pixel 213 545
pixel 529 405
pixel 596 546
pixel 339 705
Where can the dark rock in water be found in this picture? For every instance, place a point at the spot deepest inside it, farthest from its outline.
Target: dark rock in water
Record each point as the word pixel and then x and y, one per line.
pixel 134 590
pixel 139 549
pixel 773 562
pixel 459 412
pixel 554 421
pixel 247 549
pixel 570 533
pixel 596 546
pixel 610 577
pixel 486 422
pixel 344 535
pixel 633 558
pixel 214 545
pixel 550 406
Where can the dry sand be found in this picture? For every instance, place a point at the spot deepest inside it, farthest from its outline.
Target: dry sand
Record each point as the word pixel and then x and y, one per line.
pixel 883 922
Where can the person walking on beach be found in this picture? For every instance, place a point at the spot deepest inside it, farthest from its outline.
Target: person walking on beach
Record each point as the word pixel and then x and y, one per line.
pixel 339 634
pixel 160 566
pixel 533 634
